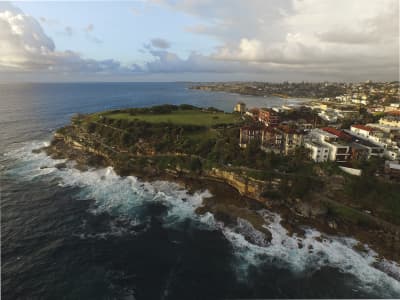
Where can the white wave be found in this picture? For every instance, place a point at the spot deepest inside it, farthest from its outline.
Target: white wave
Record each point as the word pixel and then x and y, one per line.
pixel 30 165
pixel 117 228
pixel 126 197
pixel 390 267
pixel 312 252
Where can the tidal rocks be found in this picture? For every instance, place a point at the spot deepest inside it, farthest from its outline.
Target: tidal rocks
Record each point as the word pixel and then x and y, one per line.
pixel 310 209
pixel 61 166
pixel 36 151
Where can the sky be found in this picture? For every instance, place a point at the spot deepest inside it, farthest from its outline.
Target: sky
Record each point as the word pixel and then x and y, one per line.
pixel 199 40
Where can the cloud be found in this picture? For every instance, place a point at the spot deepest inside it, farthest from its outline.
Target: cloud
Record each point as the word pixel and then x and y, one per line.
pixel 209 68
pixel 89 35
pixel 89 28
pixel 50 22
pixel 25 47
pixel 268 40
pixel 316 33
pixel 68 30
pixel 22 39
pixel 321 36
pixel 160 43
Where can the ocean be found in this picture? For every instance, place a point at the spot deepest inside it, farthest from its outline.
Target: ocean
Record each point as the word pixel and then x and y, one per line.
pixel 70 234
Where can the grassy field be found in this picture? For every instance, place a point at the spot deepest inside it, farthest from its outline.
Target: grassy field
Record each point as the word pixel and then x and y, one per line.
pixel 182 117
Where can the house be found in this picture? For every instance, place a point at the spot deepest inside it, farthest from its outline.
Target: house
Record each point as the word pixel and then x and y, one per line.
pixel 381 136
pixel 318 151
pixel 388 129
pixel 361 142
pixel 329 116
pixel 253 113
pixel 369 149
pixel 339 133
pixel 392 119
pixel 291 138
pixel 271 140
pixel 395 105
pixel 346 113
pixel 339 150
pixel 268 117
pixel 392 169
pixel 248 134
pixel 361 130
pixel 358 152
pixel 305 126
pixel 391 109
pixel 240 107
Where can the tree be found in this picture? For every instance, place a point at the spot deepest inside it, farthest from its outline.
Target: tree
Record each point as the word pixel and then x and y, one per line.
pixel 91 127
pixel 195 164
pixel 125 139
pixel 252 149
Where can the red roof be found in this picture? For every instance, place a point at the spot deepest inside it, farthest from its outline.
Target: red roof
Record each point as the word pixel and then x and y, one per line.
pixel 289 130
pixel 394 112
pixel 254 111
pixel 363 127
pixel 339 133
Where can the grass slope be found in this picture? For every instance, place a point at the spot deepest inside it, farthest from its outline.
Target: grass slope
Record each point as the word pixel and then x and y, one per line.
pixel 182 117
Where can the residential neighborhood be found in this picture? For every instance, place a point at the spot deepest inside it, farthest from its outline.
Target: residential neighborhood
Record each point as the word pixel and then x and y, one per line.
pixel 361 124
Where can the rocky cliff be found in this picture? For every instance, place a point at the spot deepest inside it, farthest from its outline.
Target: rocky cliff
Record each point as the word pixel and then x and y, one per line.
pixel 73 142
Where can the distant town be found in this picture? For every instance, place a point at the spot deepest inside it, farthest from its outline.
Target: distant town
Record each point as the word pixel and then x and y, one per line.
pixel 364 93
pixel 348 123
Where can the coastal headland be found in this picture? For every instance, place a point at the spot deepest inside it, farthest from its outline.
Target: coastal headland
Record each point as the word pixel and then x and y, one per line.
pixel 199 148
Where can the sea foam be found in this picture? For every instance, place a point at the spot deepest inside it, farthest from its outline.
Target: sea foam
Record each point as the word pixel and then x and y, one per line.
pixel 126 196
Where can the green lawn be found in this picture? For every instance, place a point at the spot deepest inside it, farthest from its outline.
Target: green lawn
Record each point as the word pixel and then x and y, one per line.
pixel 182 117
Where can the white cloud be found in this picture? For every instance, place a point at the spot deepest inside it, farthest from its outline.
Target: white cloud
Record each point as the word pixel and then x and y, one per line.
pixel 24 47
pixel 321 35
pixel 68 30
pixel 22 39
pixel 89 28
pixel 90 36
pixel 274 39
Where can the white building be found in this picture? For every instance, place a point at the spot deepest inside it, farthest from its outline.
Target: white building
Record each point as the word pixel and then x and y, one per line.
pixel 395 105
pixel 360 101
pixel 338 150
pixel 381 136
pixel 361 142
pixel 391 120
pixel 318 151
pixel 329 116
pixel 361 130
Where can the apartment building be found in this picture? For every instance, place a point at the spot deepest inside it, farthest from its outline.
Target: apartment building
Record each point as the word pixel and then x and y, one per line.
pixel 269 117
pixel 318 151
pixel 339 150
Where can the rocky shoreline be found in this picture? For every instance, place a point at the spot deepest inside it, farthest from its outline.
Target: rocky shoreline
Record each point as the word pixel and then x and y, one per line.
pixel 228 203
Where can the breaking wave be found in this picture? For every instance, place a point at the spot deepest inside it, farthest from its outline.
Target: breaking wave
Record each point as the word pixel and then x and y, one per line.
pixel 121 196
pixel 127 198
pixel 312 252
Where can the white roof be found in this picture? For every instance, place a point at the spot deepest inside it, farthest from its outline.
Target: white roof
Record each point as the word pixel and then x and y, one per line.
pixel 316 144
pixel 394 166
pixel 324 133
